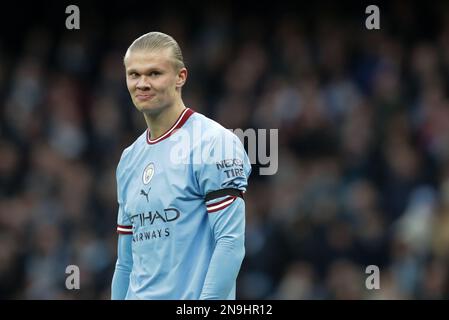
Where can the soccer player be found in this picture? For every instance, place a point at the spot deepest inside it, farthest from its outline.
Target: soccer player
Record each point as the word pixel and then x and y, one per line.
pixel 180 185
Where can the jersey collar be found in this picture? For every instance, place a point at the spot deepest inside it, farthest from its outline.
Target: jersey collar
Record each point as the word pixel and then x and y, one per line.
pixel 178 124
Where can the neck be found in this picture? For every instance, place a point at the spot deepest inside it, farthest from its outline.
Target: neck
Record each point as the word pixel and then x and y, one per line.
pixel 162 121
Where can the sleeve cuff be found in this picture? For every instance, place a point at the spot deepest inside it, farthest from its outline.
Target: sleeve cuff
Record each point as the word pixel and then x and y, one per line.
pixel 124 229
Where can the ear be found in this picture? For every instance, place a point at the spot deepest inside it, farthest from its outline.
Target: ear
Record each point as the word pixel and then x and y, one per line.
pixel 181 77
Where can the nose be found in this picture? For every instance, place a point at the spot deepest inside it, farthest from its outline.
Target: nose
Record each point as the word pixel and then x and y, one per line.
pixel 143 83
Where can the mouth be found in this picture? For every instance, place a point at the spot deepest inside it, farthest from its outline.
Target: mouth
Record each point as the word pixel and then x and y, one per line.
pixel 144 97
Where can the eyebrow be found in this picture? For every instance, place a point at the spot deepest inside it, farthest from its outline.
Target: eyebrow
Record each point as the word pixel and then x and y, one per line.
pixel 147 70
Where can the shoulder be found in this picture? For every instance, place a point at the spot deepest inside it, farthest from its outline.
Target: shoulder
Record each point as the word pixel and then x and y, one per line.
pixel 211 130
pixel 217 144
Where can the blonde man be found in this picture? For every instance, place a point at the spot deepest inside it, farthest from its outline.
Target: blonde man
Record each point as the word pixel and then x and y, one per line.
pixel 180 186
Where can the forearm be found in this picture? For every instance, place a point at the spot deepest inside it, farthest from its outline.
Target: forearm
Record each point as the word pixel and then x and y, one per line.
pixel 223 268
pixel 120 280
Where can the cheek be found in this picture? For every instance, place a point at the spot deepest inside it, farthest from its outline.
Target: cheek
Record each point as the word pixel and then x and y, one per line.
pixel 172 86
pixel 166 88
pixel 130 85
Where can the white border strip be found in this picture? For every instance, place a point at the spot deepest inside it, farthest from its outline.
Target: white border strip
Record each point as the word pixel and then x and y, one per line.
pixel 169 131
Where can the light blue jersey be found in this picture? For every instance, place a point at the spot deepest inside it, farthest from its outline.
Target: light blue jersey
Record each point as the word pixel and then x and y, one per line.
pixel 181 214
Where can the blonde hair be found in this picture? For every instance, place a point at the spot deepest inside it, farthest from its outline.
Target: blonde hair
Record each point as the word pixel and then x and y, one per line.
pixel 154 41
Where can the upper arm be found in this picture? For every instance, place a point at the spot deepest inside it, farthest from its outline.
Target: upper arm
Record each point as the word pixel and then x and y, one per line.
pixel 124 225
pixel 224 166
pixel 223 179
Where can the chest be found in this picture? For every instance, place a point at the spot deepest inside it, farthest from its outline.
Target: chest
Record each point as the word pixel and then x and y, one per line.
pixel 157 184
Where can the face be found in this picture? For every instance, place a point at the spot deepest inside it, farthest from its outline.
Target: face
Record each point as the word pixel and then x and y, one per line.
pixel 152 79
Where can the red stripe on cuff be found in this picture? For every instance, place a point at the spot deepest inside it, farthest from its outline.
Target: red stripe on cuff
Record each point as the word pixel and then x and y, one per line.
pixel 217 203
pixel 123 232
pixel 124 229
pixel 213 208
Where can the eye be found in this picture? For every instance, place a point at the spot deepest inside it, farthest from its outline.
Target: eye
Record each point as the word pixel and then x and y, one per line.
pixel 154 73
pixel 133 75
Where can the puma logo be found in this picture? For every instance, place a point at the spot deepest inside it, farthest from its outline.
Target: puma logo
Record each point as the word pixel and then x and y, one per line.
pixel 143 193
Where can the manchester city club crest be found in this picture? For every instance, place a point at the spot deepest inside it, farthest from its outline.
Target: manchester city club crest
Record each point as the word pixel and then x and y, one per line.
pixel 148 173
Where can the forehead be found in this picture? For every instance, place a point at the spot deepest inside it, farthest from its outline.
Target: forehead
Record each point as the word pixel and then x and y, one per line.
pixel 146 59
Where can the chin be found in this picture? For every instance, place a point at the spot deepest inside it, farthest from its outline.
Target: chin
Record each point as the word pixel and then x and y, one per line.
pixel 150 109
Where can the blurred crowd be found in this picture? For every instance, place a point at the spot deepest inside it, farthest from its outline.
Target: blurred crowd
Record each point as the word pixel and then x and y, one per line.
pixel 363 120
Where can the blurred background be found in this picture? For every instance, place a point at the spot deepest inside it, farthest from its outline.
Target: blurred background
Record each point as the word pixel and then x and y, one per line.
pixel 363 119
